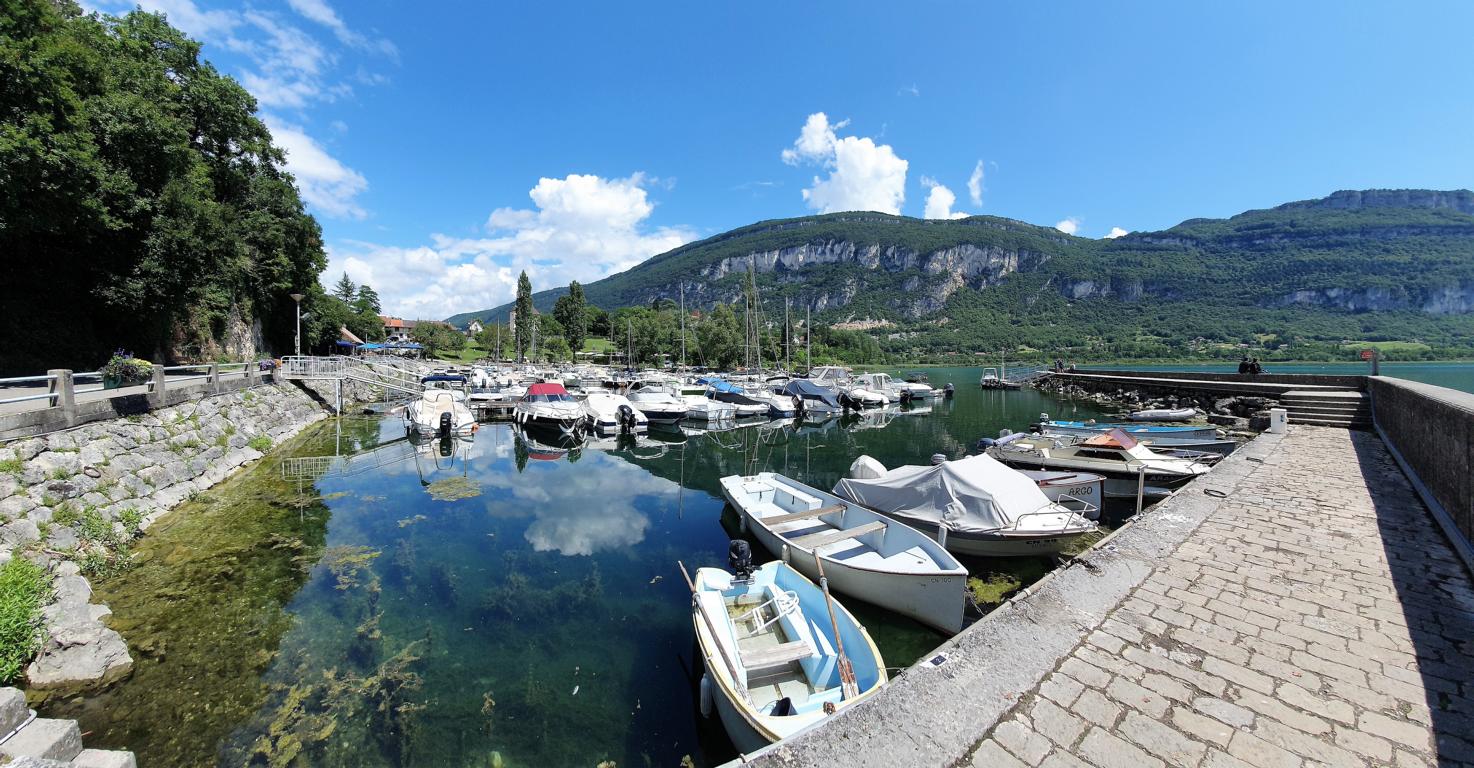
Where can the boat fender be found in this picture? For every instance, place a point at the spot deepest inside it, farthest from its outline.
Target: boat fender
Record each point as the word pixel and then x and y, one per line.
pixel 706 696
pixel 938 459
pixel 985 443
pixel 445 425
pixel 1005 432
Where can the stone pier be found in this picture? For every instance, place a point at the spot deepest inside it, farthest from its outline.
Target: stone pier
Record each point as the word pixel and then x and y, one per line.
pixel 1296 607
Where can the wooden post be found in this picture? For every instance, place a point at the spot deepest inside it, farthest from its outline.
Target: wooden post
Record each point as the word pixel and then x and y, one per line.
pixel 157 396
pixel 63 393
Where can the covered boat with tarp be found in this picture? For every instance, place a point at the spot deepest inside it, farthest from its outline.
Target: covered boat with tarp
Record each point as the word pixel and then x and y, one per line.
pixel 974 506
pixel 724 391
pixel 815 398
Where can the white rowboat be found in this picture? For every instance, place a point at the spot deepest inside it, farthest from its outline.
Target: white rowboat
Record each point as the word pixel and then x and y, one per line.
pixel 865 555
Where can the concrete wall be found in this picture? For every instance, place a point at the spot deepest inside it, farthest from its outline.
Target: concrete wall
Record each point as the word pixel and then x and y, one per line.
pixel 1310 379
pixel 44 420
pixel 1432 429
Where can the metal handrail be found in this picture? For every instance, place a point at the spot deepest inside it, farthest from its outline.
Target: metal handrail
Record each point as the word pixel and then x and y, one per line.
pixel 42 396
pixel 25 379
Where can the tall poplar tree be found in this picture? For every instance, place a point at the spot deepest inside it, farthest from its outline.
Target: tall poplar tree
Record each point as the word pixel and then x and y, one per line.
pixel 526 320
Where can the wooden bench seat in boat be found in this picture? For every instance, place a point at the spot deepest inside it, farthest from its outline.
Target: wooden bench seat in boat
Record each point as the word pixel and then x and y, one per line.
pixel 776 655
pixel 815 540
pixel 804 515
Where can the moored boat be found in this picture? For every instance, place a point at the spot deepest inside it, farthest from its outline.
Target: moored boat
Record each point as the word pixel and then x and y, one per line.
pixel 614 413
pixel 973 506
pixel 441 410
pixel 865 555
pixel 1125 463
pixel 1091 428
pixel 549 405
pixel 772 653
pixel 1164 414
pixel 1083 492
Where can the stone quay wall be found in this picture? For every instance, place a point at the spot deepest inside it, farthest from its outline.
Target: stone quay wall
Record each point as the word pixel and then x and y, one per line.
pixel 70 499
pixel 1355 382
pixel 1432 430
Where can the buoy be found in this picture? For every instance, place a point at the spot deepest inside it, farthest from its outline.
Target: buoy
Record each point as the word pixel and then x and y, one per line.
pixel 706 701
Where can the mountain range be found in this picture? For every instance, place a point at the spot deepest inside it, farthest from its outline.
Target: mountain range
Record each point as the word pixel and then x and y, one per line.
pixel 1372 265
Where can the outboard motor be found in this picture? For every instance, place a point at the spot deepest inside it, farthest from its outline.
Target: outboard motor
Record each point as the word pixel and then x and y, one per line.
pixel 626 418
pixel 445 425
pixel 906 396
pixel 948 390
pixel 986 443
pixel 447 447
pixel 739 557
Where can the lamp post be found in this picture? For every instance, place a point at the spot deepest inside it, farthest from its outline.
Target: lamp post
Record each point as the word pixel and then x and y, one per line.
pixel 297 297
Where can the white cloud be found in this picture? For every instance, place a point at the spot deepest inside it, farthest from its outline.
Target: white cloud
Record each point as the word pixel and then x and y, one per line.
pixel 863 176
pixel 1068 226
pixel 326 184
pixel 322 13
pixel 939 201
pixel 975 185
pixel 1115 233
pixel 583 227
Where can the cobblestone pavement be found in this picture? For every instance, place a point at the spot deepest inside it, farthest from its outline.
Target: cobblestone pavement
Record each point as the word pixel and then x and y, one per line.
pixel 1316 618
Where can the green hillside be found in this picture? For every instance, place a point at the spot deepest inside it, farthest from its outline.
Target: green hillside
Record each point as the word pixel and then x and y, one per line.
pixel 1378 265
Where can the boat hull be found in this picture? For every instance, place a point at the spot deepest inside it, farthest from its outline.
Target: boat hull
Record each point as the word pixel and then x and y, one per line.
pixel 1134 430
pixel 1067 487
pixel 999 545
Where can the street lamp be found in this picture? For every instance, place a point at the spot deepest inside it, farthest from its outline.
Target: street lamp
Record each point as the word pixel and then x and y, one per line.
pixel 298 297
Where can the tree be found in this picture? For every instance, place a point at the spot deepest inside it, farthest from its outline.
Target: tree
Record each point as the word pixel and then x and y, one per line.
pixel 572 313
pixel 437 336
pixel 719 338
pixel 495 338
pixel 141 175
pixel 368 299
pixel 556 350
pixel 345 289
pixel 598 322
pixel 526 315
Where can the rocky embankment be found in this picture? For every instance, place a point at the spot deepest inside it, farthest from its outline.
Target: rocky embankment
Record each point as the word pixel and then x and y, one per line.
pixel 1241 412
pixel 72 502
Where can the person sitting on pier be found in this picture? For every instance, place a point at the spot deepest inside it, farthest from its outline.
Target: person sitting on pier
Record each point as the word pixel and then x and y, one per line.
pixel 1255 367
pixel 1244 365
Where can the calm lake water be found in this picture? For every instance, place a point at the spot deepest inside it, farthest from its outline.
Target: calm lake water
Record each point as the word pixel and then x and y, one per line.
pixel 497 601
pixel 1459 375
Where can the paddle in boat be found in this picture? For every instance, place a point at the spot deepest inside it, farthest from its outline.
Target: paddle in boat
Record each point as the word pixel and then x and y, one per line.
pixel 780 653
pixel 866 555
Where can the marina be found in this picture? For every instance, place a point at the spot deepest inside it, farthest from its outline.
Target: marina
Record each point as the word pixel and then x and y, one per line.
pixel 511 566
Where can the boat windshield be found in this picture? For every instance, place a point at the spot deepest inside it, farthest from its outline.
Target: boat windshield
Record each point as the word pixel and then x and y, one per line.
pixel 554 398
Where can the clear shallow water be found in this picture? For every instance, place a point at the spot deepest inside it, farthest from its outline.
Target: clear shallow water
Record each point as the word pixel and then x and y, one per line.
pixel 1457 375
pixel 503 600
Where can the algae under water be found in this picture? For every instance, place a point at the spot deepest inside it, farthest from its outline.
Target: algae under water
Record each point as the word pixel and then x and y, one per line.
pixel 505 599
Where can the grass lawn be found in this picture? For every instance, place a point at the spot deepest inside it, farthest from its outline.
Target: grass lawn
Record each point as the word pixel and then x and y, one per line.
pixel 467 354
pixel 598 345
pixel 1388 346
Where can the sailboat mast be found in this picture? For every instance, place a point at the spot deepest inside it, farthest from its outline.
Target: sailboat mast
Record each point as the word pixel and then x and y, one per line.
pixel 787 335
pixel 683 325
pixel 808 339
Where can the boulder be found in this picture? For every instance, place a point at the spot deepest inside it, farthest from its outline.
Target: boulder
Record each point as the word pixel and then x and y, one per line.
pixel 62 538
pixel 12 507
pixel 19 533
pixel 52 462
pixel 79 651
pixel 1259 421
pixel 104 758
pixel 46 739
pixel 1223 420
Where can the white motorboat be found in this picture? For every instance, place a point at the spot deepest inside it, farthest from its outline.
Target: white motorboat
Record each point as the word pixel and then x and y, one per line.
pixel 441 410
pixel 614 413
pixel 757 403
pixel 772 654
pixel 550 405
pixel 658 400
pixel 1164 414
pixel 1121 459
pixel 974 506
pixel 895 391
pixel 1081 491
pixel 856 396
pixel 865 555
pixel 813 398
pixel 703 408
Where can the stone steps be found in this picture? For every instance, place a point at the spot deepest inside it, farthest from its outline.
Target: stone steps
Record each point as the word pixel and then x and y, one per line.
pixel 48 742
pixel 1328 409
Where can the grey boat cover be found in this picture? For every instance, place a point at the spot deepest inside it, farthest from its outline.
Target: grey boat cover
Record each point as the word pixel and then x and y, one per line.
pixel 978 493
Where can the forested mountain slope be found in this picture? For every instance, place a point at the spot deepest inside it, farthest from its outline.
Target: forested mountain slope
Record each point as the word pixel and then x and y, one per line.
pixel 1375 264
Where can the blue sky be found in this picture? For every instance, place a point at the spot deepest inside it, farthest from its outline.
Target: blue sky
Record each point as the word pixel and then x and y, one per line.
pixel 445 147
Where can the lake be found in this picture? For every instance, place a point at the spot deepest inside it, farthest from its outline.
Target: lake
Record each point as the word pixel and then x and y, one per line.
pixel 497 601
